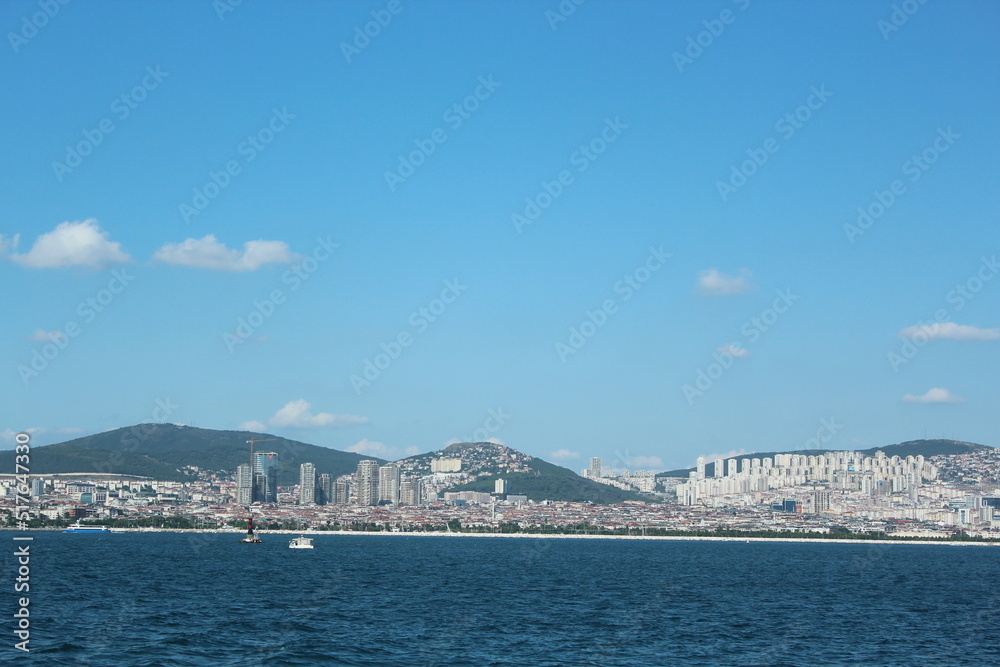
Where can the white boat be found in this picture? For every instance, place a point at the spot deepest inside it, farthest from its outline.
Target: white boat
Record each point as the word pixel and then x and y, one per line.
pixel 86 528
pixel 301 542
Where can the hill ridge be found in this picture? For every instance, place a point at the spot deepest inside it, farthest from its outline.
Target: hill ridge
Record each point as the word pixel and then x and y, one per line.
pixel 162 451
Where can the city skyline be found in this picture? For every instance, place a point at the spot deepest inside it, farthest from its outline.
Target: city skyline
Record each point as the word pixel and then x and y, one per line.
pixel 650 253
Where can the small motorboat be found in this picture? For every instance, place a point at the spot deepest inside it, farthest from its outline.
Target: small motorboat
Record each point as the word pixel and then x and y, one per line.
pixel 301 542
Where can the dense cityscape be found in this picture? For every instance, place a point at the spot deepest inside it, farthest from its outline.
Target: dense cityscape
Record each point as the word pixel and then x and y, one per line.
pixel 837 493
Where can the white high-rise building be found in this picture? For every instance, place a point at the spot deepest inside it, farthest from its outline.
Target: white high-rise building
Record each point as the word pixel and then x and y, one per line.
pixel 367 482
pixel 244 484
pixel 307 483
pixel 409 491
pixel 595 468
pixel 341 492
pixel 446 465
pixel 821 501
pixel 388 483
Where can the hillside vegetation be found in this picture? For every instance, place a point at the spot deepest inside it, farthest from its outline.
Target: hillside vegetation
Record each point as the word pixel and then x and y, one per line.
pixel 162 450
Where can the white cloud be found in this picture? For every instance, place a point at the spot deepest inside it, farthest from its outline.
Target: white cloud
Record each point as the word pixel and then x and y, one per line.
pixel 712 282
pixel 564 455
pixel 709 458
pixel 950 331
pixel 296 414
pixel 935 395
pixel 255 426
pixel 208 253
pixel 645 462
pixel 8 436
pixel 734 349
pixel 44 336
pixel 381 450
pixel 69 244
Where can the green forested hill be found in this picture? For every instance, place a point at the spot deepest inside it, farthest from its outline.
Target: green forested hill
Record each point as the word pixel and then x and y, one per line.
pixel 161 450
pixel 547 481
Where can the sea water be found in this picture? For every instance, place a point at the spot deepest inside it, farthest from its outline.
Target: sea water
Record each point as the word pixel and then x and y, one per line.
pixel 143 599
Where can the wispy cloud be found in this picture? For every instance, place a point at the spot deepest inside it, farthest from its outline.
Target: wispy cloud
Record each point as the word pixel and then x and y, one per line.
pixel 381 450
pixel 709 458
pixel 564 455
pixel 645 463
pixel 42 335
pixel 208 253
pixel 734 349
pixel 935 395
pixel 950 331
pixel 713 282
pixel 254 426
pixel 297 414
pixel 7 436
pixel 80 243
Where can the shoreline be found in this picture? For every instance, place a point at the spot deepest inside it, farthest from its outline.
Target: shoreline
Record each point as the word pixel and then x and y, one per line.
pixel 681 538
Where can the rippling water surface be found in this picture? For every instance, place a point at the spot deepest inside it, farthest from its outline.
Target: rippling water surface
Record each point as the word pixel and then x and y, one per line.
pixel 176 599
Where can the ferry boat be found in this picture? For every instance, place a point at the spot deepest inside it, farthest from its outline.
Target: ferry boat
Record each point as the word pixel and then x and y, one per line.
pixel 301 542
pixel 88 528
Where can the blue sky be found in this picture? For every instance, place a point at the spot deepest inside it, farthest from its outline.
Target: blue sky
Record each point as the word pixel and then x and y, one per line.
pixel 633 233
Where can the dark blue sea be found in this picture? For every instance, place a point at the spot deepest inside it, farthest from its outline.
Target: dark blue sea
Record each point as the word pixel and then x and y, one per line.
pixel 184 599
